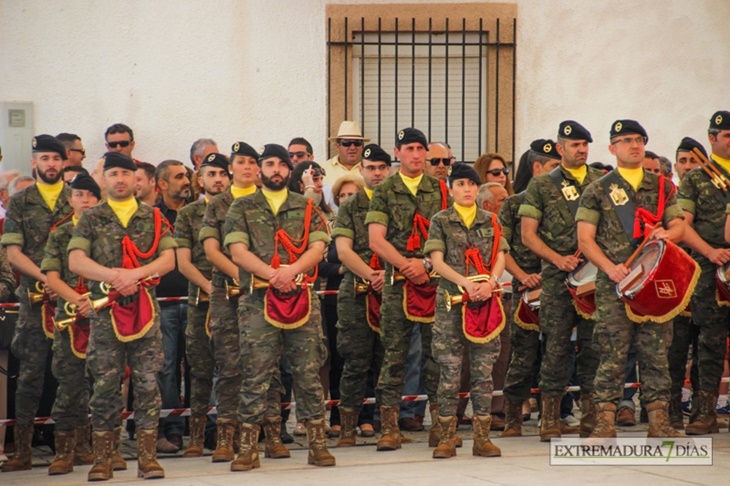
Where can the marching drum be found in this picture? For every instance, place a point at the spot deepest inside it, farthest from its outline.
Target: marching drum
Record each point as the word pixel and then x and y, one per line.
pixel 660 284
pixel 527 314
pixel 723 285
pixel 581 283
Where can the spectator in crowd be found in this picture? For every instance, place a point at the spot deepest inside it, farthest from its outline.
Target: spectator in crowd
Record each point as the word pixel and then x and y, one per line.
pixel 492 167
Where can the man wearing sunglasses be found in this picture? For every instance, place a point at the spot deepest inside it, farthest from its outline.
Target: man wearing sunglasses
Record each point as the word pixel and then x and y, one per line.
pixel 75 152
pixel 438 160
pixel 349 143
pixel 119 138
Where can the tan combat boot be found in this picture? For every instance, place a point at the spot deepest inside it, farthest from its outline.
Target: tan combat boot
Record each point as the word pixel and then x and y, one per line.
pixel 434 433
pixel 273 446
pixel 447 446
pixel 587 415
pixel 147 465
pixel 390 437
pixel 103 448
pixel 512 419
pixel 606 415
pixel 659 421
pixel 317 437
pixel 224 449
pixel 482 445
pixel 63 462
pixel 197 436
pixel 706 420
pixel 248 451
pixel 83 455
pixel 22 460
pixel 118 462
pixel 550 426
pixel 676 419
pixel 348 430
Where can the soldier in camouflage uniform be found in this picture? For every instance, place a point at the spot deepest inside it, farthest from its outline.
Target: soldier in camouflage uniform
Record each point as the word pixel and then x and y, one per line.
pixel 704 207
pixel 214 179
pixel 461 243
pixel 524 266
pixel 400 209
pixel 70 410
pixel 31 214
pixel 264 230
pixel 357 342
pixel 121 242
pixel 607 245
pixel 7 277
pixel 548 229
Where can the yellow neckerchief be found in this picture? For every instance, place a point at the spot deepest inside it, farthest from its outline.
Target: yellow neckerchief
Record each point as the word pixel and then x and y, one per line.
pixel 411 182
pixel 275 198
pixel 124 209
pixel 74 219
pixel 205 198
pixel 467 214
pixel 369 193
pixel 632 176
pixel 724 163
pixel 242 191
pixel 50 192
pixel 578 174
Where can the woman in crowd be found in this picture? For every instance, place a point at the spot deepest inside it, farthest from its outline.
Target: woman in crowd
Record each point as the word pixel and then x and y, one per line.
pixel 492 167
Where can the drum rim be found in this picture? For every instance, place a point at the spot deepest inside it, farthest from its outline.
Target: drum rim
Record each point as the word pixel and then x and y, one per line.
pixel 632 293
pixel 569 279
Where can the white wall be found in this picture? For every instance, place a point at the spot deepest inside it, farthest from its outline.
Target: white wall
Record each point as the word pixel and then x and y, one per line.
pixel 253 70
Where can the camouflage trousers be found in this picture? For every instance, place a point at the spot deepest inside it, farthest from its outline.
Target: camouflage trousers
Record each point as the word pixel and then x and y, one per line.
pixel 107 357
pixel 714 323
pixel 449 346
pixel 71 407
pixel 614 334
pixel 31 346
pixel 524 361
pixel 684 338
pixel 358 345
pixel 558 317
pixel 199 352
pixel 224 339
pixel 395 333
pixel 261 350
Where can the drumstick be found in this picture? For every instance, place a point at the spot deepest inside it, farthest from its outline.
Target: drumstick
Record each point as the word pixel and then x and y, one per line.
pixel 577 253
pixel 638 250
pixel 710 169
pixel 704 159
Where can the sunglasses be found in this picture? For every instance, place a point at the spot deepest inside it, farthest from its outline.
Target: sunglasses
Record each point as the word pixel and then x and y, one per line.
pixel 81 151
pixel 446 161
pixel 123 143
pixel 347 143
pixel 298 154
pixel 497 172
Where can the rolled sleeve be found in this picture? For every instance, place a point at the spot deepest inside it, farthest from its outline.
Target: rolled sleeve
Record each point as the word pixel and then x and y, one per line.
pixel 9 239
pixel 79 243
pixel 237 237
pixel 672 212
pixel 588 215
pixel 209 232
pixel 507 233
pixel 183 243
pixel 434 245
pixel 318 236
pixel 166 243
pixel 689 206
pixel 344 232
pixel 529 211
pixel 503 245
pixel 376 217
pixel 51 265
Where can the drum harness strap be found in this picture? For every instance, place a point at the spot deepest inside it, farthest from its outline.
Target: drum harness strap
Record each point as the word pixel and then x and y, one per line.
pixel 561 182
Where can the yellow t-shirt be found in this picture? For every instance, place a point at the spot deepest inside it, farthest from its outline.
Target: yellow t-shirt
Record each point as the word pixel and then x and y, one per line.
pixel 275 198
pixel 74 219
pixel 242 191
pixel 369 193
pixel 467 214
pixel 578 174
pixel 724 163
pixel 632 176
pixel 411 182
pixel 50 192
pixel 124 209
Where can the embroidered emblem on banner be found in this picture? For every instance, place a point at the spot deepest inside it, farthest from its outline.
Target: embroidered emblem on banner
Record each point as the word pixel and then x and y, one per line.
pixel 665 289
pixel 569 191
pixel 618 195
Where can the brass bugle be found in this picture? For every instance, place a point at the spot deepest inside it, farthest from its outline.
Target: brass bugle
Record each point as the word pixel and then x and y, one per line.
pixel 399 277
pixel 37 296
pixel 96 306
pixel 233 291
pixel 452 300
pixel 200 296
pixel 361 287
pixel 258 283
pixel 104 287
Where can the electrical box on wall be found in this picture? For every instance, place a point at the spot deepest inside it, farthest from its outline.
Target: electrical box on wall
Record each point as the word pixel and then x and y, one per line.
pixel 16 135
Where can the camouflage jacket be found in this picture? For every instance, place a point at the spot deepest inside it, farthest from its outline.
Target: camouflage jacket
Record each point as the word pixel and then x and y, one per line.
pixel 187 228
pixel 7 277
pixel 213 222
pixel 28 223
pixel 350 223
pixel 699 197
pixel 394 206
pixel 512 231
pixel 546 203
pixel 99 234
pixel 449 234
pixel 56 256
pixel 250 221
pixel 597 209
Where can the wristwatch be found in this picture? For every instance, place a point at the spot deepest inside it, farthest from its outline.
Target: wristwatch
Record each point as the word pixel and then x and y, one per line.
pixel 428 265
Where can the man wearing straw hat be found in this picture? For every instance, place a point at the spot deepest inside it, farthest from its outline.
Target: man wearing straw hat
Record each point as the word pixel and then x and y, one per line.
pixel 349 142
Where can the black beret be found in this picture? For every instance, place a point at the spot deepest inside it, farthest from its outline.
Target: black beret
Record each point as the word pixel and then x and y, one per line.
pixel 374 153
pixel 411 135
pixel 86 183
pixel 720 120
pixel 49 143
pixel 546 148
pixel 461 170
pixel 689 143
pixel 628 127
pixel 242 148
pixel 118 159
pixel 275 150
pixel 572 130
pixel 219 161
